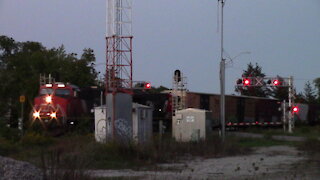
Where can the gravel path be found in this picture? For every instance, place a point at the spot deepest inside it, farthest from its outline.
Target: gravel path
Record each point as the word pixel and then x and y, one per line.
pixel 277 162
pixel 11 169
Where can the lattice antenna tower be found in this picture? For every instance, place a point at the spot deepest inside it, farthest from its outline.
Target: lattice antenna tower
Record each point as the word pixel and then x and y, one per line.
pixel 119 46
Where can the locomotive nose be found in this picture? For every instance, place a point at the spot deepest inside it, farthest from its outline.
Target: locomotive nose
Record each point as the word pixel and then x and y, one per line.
pixel 36 114
pixel 48 99
pixel 53 115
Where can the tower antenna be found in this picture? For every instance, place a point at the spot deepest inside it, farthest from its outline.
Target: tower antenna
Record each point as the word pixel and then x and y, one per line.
pixel 119 46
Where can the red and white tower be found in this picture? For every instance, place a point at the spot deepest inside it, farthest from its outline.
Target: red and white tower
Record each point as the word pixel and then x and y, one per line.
pixel 119 46
pixel 119 71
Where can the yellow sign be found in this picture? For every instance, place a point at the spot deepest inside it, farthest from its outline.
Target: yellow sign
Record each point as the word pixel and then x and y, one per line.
pixel 22 99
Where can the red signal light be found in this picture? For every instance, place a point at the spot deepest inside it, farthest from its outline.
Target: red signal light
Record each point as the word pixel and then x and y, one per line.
pixel 276 82
pixel 295 109
pixel 246 82
pixel 147 86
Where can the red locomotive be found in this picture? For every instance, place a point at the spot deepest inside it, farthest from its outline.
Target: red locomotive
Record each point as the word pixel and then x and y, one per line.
pixel 58 104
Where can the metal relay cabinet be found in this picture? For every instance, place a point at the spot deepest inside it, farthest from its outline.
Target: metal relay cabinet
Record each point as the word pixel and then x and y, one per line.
pixel 191 124
pixel 100 123
pixel 141 123
pixel 138 127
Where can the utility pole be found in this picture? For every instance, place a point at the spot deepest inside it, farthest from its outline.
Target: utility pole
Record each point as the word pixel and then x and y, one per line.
pixel 290 115
pixel 222 78
pixel 284 117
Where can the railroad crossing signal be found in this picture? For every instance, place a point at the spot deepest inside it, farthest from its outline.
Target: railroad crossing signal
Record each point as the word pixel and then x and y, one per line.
pixel 295 109
pixel 246 82
pixel 274 82
pixel 263 81
pixel 142 85
pixel 147 85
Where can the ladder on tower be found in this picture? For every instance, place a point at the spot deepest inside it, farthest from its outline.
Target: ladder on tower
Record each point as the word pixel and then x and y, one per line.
pixel 179 92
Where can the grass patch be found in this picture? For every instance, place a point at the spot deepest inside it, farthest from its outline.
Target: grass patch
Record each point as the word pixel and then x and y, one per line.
pixel 311 145
pixel 119 178
pixel 74 153
pixel 115 156
pixel 81 151
pixel 301 130
pixel 7 147
pixel 263 142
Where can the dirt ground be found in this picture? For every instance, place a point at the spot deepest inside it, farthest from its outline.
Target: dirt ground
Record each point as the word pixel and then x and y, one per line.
pixel 276 162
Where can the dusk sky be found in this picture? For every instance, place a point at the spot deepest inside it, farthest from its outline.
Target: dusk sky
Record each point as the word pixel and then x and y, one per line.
pixel 283 36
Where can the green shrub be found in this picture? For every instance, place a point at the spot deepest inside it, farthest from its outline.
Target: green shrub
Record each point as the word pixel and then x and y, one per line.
pixel 85 125
pixel 113 155
pixel 36 139
pixel 63 165
pixel 7 147
pixel 8 133
pixel 311 145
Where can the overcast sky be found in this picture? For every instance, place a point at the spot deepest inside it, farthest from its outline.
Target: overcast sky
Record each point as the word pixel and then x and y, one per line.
pixel 283 36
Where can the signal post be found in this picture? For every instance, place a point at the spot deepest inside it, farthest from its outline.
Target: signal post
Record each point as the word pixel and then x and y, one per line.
pixel 275 82
pixel 22 100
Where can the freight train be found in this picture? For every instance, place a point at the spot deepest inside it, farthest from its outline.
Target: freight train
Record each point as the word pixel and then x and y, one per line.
pixel 60 104
pixel 241 111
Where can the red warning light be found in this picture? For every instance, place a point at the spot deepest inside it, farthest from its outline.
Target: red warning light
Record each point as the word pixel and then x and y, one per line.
pixel 147 86
pixel 295 109
pixel 276 82
pixel 246 82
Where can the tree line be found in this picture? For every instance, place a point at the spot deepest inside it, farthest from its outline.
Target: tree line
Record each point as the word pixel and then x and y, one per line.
pixel 21 64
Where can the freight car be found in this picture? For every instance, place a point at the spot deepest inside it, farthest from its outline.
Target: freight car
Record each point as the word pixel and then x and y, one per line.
pixel 241 111
pixel 161 105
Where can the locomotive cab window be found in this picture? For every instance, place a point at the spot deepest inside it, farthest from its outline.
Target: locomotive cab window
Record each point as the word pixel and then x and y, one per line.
pixel 46 91
pixel 75 93
pixel 62 92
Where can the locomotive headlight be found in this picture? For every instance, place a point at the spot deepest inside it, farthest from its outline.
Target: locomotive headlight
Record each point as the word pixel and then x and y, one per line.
pixel 36 115
pixel 48 99
pixel 53 115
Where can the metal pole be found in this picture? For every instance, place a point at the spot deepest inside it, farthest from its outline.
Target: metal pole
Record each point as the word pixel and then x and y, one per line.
pixel 222 79
pixel 20 123
pixel 284 115
pixel 113 115
pixel 290 105
pixel 160 129
pixel 101 98
pixel 292 101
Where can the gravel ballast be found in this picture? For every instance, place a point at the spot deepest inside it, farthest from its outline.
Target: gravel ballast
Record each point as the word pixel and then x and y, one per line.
pixel 18 170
